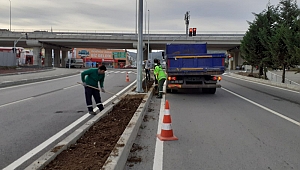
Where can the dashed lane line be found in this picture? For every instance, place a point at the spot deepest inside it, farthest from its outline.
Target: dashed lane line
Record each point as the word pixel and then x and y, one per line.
pixel 7 104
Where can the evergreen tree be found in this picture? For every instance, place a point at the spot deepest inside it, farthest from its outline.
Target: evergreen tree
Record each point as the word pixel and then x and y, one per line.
pixel 284 44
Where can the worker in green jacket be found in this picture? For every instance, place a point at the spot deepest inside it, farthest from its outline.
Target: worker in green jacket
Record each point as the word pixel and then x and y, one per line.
pixel 92 77
pixel 160 76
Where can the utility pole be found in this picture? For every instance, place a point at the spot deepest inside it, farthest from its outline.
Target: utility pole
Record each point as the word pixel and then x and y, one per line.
pixel 187 22
pixel 9 15
pixel 139 87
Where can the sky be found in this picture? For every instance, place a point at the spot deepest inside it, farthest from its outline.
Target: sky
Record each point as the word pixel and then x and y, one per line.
pixel 166 16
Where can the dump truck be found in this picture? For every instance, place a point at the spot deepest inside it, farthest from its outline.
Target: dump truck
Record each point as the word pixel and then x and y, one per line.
pixel 189 66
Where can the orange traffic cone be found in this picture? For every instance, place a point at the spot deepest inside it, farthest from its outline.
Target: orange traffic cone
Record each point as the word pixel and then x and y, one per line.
pixel 166 128
pixel 127 77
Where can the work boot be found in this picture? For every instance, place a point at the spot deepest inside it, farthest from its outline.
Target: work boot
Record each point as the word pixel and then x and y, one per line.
pixel 100 107
pixel 92 113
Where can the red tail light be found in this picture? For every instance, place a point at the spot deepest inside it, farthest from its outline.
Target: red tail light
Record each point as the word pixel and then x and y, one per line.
pixel 171 78
pixel 215 78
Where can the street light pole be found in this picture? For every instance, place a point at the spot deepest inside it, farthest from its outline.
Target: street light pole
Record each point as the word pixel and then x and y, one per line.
pixel 146 16
pixel 9 15
pixel 148 33
pixel 135 17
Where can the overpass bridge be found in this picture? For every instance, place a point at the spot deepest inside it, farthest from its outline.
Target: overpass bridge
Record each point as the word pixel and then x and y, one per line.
pixel 66 40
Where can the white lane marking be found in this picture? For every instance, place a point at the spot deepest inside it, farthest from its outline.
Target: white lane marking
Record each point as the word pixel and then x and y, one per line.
pixel 129 72
pixel 159 145
pixel 71 86
pixel 123 72
pixel 262 84
pixel 49 141
pixel 265 108
pixel 18 101
pixel 37 82
pixel 117 72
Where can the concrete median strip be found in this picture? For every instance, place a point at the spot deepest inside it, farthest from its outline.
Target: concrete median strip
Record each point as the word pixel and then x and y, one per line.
pixel 282 85
pixel 12 83
pixel 118 156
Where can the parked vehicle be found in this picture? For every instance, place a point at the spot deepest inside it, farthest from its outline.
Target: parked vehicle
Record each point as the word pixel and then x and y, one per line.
pixel 75 63
pixel 190 66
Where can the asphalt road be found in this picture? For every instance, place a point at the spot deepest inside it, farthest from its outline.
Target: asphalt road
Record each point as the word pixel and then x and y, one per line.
pixel 32 113
pixel 244 125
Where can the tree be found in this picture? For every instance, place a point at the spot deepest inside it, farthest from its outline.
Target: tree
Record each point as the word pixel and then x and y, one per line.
pixel 283 44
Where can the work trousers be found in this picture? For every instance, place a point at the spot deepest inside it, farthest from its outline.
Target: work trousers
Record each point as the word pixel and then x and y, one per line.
pixel 160 86
pixel 89 92
pixel 147 74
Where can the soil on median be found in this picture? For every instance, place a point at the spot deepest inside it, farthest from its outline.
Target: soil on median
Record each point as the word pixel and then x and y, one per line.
pixel 93 148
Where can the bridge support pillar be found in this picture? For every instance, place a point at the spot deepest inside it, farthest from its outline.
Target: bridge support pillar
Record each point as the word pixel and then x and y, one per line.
pixel 36 56
pixel 56 58
pixel 48 57
pixel 64 58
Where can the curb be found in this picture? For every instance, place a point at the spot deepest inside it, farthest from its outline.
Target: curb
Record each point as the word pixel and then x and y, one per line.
pixel 7 84
pixel 114 161
pixel 28 72
pixel 118 157
pixel 282 85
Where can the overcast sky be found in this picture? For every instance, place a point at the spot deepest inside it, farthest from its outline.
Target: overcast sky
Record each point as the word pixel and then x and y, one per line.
pixel 119 15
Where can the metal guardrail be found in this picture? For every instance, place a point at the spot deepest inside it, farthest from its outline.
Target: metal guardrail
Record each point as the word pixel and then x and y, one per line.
pixel 277 78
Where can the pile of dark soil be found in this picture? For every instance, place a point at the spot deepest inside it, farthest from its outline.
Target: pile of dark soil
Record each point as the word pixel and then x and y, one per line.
pixel 93 148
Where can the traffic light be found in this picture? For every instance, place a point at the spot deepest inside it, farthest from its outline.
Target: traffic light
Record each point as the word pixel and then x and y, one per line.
pixel 194 31
pixel 191 32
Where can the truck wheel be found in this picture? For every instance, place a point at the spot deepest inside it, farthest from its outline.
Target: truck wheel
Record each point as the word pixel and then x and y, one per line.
pixel 171 90
pixel 209 90
pixel 212 90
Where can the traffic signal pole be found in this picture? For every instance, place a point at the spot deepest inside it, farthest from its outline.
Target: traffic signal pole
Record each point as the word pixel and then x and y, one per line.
pixel 187 22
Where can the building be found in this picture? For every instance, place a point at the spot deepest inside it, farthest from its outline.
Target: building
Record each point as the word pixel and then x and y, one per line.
pixel 112 58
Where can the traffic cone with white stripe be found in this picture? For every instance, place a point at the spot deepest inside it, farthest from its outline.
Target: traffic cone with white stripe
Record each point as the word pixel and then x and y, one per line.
pixel 127 77
pixel 166 127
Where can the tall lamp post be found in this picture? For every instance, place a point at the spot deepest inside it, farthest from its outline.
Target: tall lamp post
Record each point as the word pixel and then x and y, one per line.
pixel 9 15
pixel 148 32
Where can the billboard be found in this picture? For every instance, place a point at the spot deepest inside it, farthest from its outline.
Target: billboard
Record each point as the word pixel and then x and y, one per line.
pixel 119 55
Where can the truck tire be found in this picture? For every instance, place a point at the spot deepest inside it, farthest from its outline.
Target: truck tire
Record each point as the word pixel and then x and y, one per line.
pixel 212 90
pixel 209 90
pixel 171 90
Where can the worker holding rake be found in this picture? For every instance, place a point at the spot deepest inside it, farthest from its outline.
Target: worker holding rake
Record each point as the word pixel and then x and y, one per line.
pixel 91 77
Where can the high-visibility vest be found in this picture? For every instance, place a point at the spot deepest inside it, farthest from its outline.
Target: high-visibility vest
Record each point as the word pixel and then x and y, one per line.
pixel 159 72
